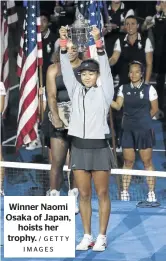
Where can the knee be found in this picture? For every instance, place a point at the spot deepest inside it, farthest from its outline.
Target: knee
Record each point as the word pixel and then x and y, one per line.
pixel 56 165
pixel 53 168
pixel 56 170
pixel 128 163
pixel 147 163
pixel 103 194
pixel 84 195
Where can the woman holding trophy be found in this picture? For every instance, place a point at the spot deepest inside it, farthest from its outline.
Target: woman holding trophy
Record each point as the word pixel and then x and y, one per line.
pixel 91 156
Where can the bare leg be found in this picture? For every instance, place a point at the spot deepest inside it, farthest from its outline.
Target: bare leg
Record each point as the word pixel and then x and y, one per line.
pixel 129 159
pixel 59 148
pixel 101 181
pixel 49 156
pixel 146 157
pixel 72 181
pixel 83 181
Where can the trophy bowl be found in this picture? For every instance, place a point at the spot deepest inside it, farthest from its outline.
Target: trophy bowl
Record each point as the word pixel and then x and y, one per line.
pixel 79 36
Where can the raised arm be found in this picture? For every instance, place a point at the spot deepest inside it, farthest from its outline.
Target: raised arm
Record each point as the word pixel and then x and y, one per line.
pixel 105 70
pixel 69 78
pixel 106 77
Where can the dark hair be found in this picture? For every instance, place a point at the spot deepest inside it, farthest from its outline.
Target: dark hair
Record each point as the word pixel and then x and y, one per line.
pixel 56 56
pixel 45 14
pixel 132 17
pixel 138 63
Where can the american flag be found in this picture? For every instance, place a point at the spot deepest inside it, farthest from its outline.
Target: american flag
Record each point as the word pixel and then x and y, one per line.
pixel 83 8
pixel 29 58
pixel 8 17
pixel 95 19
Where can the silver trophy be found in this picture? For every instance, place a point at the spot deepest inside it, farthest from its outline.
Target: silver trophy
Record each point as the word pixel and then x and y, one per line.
pixel 79 32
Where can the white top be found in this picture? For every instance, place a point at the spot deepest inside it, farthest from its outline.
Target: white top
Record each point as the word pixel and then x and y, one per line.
pixel 148 44
pixel 152 93
pixel 2 89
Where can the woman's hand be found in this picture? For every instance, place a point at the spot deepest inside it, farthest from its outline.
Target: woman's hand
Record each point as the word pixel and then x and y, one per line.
pixel 56 121
pixel 63 33
pixel 95 33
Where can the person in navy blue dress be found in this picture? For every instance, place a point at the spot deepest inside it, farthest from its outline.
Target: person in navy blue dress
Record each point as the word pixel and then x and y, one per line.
pixel 140 104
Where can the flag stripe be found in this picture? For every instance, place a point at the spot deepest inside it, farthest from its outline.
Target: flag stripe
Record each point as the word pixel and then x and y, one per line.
pixel 27 101
pixel 29 57
pixel 32 110
pixel 23 136
pixel 28 78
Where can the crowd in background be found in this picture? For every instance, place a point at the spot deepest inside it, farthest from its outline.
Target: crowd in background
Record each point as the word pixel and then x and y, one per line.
pixel 140 38
pixel 132 31
pixel 146 40
pixel 127 38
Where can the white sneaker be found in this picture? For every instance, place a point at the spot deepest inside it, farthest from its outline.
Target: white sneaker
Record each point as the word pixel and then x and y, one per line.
pixel 35 144
pixel 100 244
pixel 125 196
pixel 74 192
pixel 53 192
pixel 86 243
pixel 151 197
pixel 119 149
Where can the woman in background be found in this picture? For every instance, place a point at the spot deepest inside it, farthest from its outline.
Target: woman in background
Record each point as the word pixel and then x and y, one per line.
pixel 56 119
pixel 140 104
